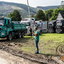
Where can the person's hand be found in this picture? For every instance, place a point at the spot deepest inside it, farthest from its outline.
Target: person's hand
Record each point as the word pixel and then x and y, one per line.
pixel 32 32
pixel 33 38
pixel 29 27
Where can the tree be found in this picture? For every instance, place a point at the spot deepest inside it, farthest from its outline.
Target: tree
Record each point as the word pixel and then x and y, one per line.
pixel 32 16
pixel 40 15
pixel 15 16
pixel 11 15
pixel 48 14
pixel 55 13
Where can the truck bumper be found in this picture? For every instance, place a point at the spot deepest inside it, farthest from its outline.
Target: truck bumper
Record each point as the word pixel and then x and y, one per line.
pixel 2 34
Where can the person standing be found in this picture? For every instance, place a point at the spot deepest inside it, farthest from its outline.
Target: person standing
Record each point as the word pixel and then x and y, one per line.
pixel 30 31
pixel 36 38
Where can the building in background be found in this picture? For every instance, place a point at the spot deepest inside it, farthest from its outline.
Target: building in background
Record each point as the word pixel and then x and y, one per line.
pixel 60 16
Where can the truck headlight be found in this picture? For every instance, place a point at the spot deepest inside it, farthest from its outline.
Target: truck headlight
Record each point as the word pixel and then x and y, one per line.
pixel 2 24
pixel 2 33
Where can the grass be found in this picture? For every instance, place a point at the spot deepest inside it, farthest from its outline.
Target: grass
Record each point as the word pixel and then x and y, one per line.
pixel 47 44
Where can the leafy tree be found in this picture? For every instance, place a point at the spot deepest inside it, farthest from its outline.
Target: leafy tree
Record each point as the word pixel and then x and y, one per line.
pixel 55 13
pixel 32 16
pixel 48 14
pixel 15 16
pixel 40 15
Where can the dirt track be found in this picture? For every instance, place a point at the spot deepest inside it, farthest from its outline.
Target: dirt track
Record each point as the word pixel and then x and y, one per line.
pixel 7 58
pixel 11 55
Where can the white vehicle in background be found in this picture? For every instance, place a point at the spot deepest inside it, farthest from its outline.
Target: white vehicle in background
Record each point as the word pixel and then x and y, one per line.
pixel 29 22
pixel 39 25
pixel 45 26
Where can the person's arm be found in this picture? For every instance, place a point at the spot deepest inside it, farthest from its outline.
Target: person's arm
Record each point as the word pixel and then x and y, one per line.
pixel 34 34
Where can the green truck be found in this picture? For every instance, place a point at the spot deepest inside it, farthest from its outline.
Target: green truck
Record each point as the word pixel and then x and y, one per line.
pixel 11 29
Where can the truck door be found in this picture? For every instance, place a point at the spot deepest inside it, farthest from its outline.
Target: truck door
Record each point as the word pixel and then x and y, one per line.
pixel 8 23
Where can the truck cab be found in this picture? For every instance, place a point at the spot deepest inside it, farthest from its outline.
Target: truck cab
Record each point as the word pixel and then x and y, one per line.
pixel 27 25
pixel 11 29
pixel 30 22
pixel 52 26
pixel 5 23
pixel 60 26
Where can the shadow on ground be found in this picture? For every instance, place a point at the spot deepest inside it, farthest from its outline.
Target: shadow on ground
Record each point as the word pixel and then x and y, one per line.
pixel 16 40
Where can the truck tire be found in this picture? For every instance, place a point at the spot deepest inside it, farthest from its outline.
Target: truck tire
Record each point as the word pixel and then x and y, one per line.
pixel 58 31
pixel 9 37
pixel 40 32
pixel 50 30
pixel 19 35
pixel 22 36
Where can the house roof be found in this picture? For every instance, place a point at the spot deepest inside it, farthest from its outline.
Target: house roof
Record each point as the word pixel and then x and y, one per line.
pixel 62 13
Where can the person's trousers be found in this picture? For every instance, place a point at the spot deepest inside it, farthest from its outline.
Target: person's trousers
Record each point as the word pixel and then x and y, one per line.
pixel 36 44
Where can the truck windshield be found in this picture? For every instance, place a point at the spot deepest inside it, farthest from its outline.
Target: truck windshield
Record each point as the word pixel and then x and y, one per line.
pixel 59 23
pixel 50 24
pixel 1 22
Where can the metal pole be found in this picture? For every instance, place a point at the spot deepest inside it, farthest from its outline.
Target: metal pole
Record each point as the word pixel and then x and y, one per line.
pixel 29 13
pixel 28 8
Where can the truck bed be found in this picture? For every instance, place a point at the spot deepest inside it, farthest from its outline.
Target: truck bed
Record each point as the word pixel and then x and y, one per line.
pixel 18 26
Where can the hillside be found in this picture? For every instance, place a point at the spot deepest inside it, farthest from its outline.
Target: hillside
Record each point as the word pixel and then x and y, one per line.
pixel 7 7
pixel 47 7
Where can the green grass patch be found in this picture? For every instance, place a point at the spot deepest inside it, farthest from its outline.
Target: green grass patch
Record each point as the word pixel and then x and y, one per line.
pixel 47 44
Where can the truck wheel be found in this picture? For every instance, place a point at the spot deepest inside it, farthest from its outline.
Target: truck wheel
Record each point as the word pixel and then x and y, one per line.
pixel 58 31
pixel 50 31
pixel 22 35
pixel 9 37
pixel 19 35
pixel 40 32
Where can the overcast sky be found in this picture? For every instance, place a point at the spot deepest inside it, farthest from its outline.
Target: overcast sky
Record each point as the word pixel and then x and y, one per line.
pixel 35 3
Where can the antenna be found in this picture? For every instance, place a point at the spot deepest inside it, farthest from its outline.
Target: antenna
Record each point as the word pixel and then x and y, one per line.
pixel 28 8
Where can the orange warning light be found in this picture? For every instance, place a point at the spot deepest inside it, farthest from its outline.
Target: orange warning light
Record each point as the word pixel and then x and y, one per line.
pixel 2 16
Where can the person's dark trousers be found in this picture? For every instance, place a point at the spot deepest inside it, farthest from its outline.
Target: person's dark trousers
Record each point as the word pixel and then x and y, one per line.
pixel 36 44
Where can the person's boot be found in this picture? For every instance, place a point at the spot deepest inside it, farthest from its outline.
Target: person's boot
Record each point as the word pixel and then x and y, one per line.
pixel 36 52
